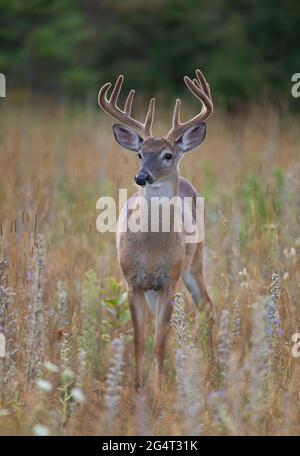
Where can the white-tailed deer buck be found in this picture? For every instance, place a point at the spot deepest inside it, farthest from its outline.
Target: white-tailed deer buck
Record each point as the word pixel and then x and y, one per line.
pixel 153 262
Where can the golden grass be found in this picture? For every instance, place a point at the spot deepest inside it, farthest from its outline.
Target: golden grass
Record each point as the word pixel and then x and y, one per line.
pixel 55 162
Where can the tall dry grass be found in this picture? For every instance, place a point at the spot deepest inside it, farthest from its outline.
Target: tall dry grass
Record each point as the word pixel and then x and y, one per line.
pixel 64 311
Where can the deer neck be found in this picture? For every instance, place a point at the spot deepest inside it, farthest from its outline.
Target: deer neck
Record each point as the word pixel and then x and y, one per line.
pixel 166 188
pixel 153 195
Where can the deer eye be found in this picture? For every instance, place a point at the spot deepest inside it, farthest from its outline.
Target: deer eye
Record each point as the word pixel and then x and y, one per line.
pixel 139 155
pixel 168 156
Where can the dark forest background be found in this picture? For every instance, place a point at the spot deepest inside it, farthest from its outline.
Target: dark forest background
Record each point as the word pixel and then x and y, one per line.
pixel 247 49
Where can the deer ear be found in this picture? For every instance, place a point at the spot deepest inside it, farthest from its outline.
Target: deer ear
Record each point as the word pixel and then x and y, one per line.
pixel 127 138
pixel 192 138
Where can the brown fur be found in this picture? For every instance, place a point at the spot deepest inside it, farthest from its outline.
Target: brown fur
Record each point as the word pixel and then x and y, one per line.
pixel 157 260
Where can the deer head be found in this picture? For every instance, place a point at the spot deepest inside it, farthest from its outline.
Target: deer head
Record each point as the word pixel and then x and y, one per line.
pixel 159 157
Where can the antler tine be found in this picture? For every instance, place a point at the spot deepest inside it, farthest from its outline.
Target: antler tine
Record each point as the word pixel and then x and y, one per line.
pixel 149 118
pixel 102 100
pixel 203 85
pixel 128 103
pixel 116 90
pixel 200 89
pixel 111 108
pixel 197 83
pixel 176 114
pixel 202 81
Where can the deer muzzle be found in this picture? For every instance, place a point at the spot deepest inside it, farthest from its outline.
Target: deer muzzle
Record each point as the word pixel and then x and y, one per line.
pixel 142 178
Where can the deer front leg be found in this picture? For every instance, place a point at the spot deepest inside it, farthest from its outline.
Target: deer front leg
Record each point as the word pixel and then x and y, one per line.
pixel 164 309
pixel 137 310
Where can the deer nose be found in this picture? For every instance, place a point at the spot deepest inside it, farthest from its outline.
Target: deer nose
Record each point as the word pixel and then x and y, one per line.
pixel 142 178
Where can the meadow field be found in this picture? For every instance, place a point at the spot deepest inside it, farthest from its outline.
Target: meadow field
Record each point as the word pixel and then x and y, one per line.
pixel 69 359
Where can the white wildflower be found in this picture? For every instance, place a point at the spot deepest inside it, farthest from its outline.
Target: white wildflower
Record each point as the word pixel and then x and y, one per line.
pixel 51 367
pixel 44 385
pixel 40 430
pixel 78 395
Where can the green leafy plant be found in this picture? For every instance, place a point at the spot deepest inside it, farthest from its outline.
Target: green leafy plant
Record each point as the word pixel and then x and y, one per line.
pixel 114 302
